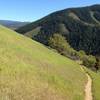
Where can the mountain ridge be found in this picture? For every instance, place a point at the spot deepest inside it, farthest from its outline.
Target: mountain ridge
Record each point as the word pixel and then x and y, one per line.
pixel 80 26
pixel 13 24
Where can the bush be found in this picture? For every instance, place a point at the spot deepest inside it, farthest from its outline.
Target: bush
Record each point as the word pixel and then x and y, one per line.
pixel 89 61
pixel 81 54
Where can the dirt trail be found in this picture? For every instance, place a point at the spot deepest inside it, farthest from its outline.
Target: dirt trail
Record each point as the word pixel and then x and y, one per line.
pixel 88 88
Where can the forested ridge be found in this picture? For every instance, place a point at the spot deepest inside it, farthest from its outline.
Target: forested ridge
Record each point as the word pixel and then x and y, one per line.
pixel 80 27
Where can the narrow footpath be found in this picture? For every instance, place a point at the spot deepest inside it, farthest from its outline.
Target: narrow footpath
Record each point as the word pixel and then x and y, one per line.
pixel 88 88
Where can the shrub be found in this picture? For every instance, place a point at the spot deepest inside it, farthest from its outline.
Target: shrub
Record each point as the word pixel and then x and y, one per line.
pixel 89 61
pixel 81 54
pixel 97 66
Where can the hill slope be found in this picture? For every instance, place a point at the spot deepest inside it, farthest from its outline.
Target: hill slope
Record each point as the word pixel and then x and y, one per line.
pixel 12 24
pixel 30 71
pixel 81 27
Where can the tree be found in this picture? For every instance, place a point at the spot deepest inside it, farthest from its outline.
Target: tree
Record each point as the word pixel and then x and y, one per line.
pixel 59 43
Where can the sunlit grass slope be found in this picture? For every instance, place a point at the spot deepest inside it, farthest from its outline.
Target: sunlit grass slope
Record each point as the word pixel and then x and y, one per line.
pixel 30 71
pixel 96 84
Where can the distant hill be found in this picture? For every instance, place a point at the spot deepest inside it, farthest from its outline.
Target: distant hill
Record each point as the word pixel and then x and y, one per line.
pixel 30 71
pixel 12 24
pixel 80 26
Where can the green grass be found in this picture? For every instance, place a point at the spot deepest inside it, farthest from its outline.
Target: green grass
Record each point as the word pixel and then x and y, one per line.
pixel 30 71
pixel 96 84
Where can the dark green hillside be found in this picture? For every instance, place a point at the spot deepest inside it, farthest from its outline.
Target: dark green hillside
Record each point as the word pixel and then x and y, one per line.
pixel 81 27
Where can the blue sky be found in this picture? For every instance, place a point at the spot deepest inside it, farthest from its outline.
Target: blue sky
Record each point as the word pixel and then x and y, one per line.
pixel 31 10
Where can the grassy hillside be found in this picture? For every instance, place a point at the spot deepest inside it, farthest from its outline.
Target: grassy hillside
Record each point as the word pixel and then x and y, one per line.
pixel 96 84
pixel 81 27
pixel 30 71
